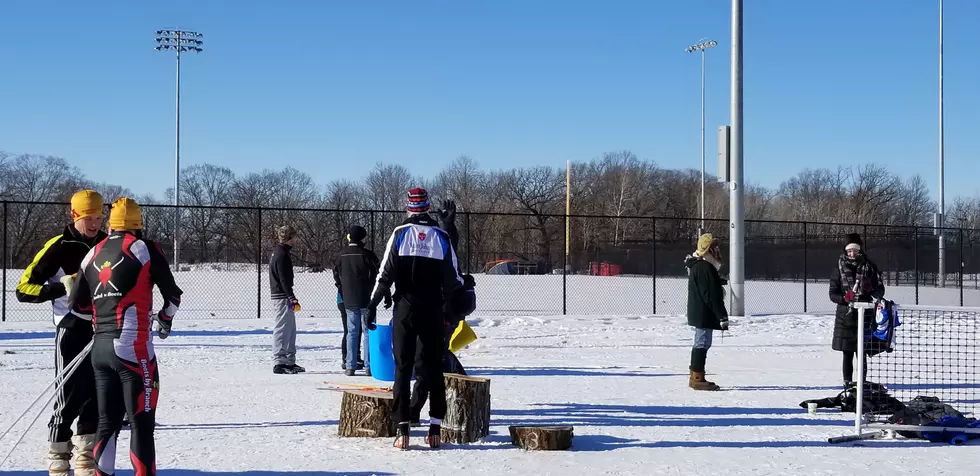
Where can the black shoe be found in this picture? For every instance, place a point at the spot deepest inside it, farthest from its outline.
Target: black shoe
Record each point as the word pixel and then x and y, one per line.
pixel 283 369
pixel 360 364
pixel 297 368
pixel 349 372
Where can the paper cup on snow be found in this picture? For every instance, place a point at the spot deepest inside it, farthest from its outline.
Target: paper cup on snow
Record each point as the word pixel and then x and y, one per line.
pixel 811 408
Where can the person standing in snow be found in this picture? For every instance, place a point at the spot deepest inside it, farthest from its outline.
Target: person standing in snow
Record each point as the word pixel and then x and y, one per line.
pixel 281 289
pixel 343 342
pixel 855 279
pixel 705 305
pixel 115 280
pixel 354 274
pixel 420 261
pixel 48 278
pixel 464 304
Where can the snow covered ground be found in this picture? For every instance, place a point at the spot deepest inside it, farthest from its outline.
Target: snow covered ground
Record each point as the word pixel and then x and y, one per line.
pixel 620 378
pixel 235 295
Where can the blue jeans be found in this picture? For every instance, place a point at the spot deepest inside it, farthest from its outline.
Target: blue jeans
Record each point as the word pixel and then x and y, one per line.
pixel 702 338
pixel 355 330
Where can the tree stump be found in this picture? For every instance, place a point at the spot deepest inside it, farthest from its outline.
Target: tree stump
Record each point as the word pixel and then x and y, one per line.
pixel 542 438
pixel 467 409
pixel 367 414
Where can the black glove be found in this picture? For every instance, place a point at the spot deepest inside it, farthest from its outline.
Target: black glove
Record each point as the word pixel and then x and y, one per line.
pixel 448 212
pixel 163 325
pixel 369 317
pixel 387 300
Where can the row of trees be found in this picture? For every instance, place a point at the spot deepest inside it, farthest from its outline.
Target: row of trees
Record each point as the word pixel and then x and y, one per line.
pixel 618 184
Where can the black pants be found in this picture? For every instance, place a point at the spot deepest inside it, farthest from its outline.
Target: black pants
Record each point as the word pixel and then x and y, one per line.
pixel 848 367
pixel 416 327
pixel 131 386
pixel 343 343
pixel 75 396
pixel 450 364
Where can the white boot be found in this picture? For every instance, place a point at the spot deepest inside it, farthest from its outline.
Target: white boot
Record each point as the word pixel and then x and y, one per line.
pixel 84 459
pixel 58 457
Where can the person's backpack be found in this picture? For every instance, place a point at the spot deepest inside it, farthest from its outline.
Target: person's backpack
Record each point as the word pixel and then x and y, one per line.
pixel 886 320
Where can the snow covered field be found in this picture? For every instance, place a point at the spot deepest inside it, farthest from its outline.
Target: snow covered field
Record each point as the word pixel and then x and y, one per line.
pixel 610 368
pixel 620 379
pixel 233 295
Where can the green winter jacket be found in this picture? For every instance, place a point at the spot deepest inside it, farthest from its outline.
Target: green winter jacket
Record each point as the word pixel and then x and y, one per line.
pixel 705 295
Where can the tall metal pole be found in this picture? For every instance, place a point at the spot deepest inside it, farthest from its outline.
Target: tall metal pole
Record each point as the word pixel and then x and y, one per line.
pixel 180 42
pixel 177 174
pixel 736 276
pixel 702 46
pixel 941 222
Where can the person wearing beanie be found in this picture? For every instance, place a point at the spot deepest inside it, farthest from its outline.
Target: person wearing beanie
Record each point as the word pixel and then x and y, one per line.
pixel 48 278
pixel 286 304
pixel 420 262
pixel 705 305
pixel 115 280
pixel 354 273
pixel 855 279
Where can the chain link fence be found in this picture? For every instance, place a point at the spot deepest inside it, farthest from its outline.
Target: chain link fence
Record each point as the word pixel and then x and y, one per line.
pixel 524 264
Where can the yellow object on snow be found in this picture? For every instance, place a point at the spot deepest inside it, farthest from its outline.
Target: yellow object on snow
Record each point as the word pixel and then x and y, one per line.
pixel 462 337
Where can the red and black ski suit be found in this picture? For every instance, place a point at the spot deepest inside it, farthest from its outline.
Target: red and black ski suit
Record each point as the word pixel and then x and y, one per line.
pixel 116 279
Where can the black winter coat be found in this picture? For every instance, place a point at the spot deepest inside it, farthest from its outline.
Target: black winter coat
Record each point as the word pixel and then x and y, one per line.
pixel 705 295
pixel 281 273
pixel 846 320
pixel 354 273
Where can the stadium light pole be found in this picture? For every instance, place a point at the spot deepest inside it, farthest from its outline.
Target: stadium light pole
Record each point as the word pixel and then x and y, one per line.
pixel 736 277
pixel 178 41
pixel 702 46
pixel 941 218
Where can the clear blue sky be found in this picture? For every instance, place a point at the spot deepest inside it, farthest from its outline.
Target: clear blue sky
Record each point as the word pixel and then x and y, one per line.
pixel 331 87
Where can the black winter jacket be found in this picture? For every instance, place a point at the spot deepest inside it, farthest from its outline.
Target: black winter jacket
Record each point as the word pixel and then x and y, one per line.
pixel 846 319
pixel 705 295
pixel 41 281
pixel 281 273
pixel 354 274
pixel 420 261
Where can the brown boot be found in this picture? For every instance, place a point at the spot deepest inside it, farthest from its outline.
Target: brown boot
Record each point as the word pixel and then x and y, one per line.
pixel 698 382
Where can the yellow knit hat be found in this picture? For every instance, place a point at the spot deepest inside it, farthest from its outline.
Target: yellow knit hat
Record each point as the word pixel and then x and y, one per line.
pixel 86 203
pixel 125 215
pixel 705 242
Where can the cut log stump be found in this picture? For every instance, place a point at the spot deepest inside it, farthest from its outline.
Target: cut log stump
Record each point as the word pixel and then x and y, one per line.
pixel 366 414
pixel 542 438
pixel 467 409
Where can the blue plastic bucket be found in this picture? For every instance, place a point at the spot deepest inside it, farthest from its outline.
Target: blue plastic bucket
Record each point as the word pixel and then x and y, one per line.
pixel 382 357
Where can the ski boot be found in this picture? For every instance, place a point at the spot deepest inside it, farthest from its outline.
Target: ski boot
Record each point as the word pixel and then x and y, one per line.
pixel 84 459
pixel 401 440
pixel 59 457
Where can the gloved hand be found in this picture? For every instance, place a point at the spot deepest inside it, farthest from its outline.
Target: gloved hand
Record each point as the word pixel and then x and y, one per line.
pixel 67 280
pixel 162 325
pixel 387 300
pixel 849 296
pixel 724 325
pixel 447 214
pixel 296 306
pixel 369 317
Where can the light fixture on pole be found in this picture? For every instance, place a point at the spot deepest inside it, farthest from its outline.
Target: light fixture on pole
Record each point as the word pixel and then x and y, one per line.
pixel 178 41
pixel 702 46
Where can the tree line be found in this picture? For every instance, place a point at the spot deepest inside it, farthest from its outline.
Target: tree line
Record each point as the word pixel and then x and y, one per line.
pixel 618 184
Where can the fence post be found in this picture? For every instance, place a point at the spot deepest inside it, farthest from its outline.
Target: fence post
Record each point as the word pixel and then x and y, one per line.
pixel 258 271
pixel 805 268
pixel 3 311
pixel 961 266
pixel 654 272
pixel 915 261
pixel 469 245
pixel 372 230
